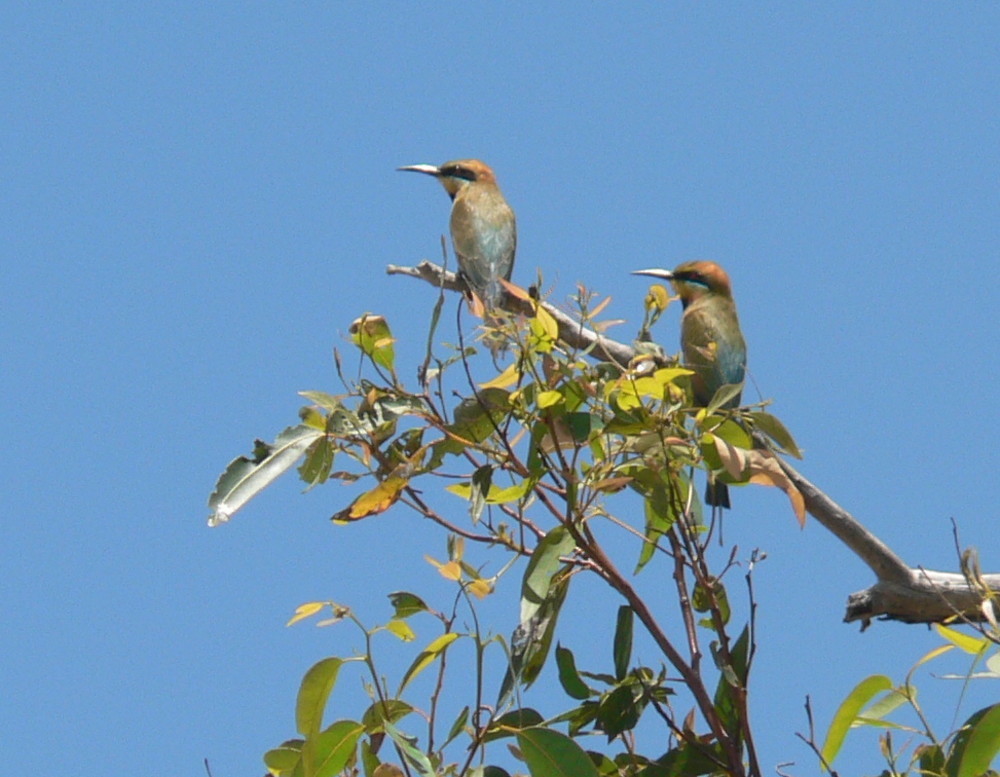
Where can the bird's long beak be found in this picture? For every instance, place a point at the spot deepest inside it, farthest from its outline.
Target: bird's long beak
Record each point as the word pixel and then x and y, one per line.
pixel 666 275
pixel 428 169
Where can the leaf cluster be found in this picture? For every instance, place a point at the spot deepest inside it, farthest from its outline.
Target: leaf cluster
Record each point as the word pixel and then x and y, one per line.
pixel 545 454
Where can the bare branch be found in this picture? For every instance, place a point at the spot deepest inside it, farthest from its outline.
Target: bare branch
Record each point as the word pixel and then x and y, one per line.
pixel 911 595
pixel 571 331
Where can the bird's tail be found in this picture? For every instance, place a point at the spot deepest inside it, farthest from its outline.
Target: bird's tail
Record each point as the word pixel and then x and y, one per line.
pixel 494 318
pixel 494 338
pixel 717 494
pixel 493 295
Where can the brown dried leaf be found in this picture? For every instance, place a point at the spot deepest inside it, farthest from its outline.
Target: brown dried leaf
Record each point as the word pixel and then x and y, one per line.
pixel 733 459
pixel 766 471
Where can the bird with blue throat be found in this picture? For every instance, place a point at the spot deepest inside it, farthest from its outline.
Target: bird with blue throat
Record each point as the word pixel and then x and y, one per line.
pixel 711 341
pixel 483 227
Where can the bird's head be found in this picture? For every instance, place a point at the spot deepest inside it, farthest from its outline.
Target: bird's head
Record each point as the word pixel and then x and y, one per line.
pixel 692 280
pixel 457 174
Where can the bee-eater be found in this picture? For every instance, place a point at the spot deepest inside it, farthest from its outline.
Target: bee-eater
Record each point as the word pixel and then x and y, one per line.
pixel 711 340
pixel 483 229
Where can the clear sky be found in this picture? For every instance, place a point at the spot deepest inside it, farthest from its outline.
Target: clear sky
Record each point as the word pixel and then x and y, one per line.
pixel 196 199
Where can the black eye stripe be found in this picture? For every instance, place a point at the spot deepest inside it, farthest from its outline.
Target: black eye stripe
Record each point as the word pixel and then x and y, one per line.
pixel 457 171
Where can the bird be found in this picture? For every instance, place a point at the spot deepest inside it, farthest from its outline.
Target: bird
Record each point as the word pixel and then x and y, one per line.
pixel 483 227
pixel 711 341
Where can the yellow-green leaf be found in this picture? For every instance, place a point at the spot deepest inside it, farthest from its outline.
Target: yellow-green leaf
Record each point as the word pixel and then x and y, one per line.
pixel 313 694
pixel 549 398
pixel 481 588
pixel 463 490
pixel 550 753
pixel 496 495
pixel 306 610
pixel 667 375
pixel 849 710
pixel 450 570
pixel 379 499
pixel 401 629
pixel 426 657
pixel 966 642
pixel 658 297
pixel 507 378
pixel 499 496
pixel 372 335
pixel 549 324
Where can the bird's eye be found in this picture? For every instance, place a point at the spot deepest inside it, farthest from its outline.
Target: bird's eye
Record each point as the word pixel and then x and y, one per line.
pixel 457 171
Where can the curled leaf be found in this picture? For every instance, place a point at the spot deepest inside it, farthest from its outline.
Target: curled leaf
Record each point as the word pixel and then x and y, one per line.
pixel 733 459
pixel 378 500
pixel 306 610
pixel 766 471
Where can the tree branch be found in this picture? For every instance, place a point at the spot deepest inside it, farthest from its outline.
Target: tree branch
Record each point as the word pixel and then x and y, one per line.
pixel 908 594
pixel 571 331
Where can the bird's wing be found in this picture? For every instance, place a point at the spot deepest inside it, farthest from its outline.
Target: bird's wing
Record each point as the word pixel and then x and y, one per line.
pixel 485 238
pixel 713 348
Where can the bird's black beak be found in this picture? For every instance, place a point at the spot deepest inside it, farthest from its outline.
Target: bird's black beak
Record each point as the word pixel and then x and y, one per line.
pixel 665 275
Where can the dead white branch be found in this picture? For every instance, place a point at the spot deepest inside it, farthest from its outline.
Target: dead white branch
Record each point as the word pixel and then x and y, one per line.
pixel 903 593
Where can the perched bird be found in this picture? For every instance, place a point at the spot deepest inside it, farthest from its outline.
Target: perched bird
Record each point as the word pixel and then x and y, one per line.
pixel 483 229
pixel 711 339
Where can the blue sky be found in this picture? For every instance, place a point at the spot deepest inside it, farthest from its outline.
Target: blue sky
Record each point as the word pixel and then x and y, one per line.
pixel 197 199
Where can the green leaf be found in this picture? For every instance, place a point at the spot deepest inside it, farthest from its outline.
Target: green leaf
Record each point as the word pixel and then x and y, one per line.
pixel 424 374
pixel 458 726
pixel 514 493
pixel 776 430
pixel 533 637
pixel 377 714
pixel 313 694
pixel 884 706
pixel 579 718
pixel 550 753
pixel 689 758
pixel 488 771
pixel 623 641
pixel 426 657
pixel 724 396
pixel 570 679
pixel 496 495
pixel 618 711
pixel 482 479
pixel 548 398
pixel 733 433
pixel 848 712
pixel 400 628
pixel 315 467
pixel 283 760
pixel 414 756
pixel 477 417
pixel 705 596
pixel 732 676
pixel 512 722
pixel 372 335
pixel 311 416
pixel 407 604
pixel 582 425
pixel 326 753
pixel 931 758
pixel 972 645
pixel 976 745
pixel 541 571
pixel 244 478
pixel 321 398
pixel 608 768
pixel 659 512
